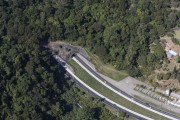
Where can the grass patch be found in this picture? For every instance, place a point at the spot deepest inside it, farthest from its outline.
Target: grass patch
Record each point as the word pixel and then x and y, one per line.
pixel 177 35
pixel 89 80
pixel 106 69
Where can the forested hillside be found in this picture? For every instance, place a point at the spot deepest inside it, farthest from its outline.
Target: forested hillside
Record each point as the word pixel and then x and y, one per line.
pixel 33 87
pixel 118 31
pixel 31 84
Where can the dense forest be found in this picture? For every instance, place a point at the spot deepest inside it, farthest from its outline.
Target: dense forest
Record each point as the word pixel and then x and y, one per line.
pixel 120 32
pixel 32 86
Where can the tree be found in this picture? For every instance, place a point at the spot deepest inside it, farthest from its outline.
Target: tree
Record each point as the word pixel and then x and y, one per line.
pixel 166 76
pixel 101 52
pixel 178 59
pixel 160 76
pixel 86 113
pixel 119 32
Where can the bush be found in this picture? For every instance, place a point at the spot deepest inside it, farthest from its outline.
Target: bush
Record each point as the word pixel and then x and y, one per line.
pixel 178 59
pixel 166 76
pixel 160 76
pixel 174 40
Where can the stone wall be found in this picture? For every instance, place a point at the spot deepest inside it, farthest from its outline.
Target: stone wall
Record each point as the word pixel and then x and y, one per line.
pixel 65 50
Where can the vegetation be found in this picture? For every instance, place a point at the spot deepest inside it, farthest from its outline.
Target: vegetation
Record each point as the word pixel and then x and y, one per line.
pixel 119 32
pixel 107 69
pixel 176 41
pixel 175 74
pixel 178 59
pixel 31 84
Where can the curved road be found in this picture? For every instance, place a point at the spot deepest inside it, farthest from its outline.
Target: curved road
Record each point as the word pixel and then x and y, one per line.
pixel 130 98
pixel 104 99
pixel 98 95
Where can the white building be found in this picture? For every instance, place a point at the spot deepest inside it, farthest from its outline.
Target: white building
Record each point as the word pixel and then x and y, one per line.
pixel 167 92
pixel 173 52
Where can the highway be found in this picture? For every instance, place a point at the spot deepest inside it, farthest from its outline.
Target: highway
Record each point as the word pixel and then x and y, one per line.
pixel 94 93
pixel 125 95
pixel 105 100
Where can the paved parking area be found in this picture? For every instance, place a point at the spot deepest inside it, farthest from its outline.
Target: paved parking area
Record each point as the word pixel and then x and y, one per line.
pixel 128 84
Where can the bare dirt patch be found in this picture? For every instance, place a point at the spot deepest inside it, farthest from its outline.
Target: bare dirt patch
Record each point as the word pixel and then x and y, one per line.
pixel 169 83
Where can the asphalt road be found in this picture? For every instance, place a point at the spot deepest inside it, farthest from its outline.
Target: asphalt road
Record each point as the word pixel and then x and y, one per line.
pixel 104 100
pixel 122 92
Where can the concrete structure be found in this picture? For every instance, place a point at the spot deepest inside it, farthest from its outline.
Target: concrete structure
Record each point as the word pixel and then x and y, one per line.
pixel 66 51
pixel 169 55
pixel 167 92
pixel 171 50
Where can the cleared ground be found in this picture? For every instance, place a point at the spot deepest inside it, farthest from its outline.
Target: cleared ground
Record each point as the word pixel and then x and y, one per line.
pixel 177 34
pixel 83 75
pixel 107 69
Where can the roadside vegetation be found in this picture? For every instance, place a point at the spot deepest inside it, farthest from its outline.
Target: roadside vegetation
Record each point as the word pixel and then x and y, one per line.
pixel 32 86
pixel 107 69
pixel 89 80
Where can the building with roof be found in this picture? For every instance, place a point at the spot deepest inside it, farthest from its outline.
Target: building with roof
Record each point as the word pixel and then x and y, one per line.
pixel 173 52
pixel 169 55
pixel 167 92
